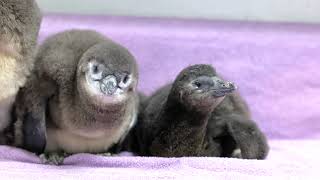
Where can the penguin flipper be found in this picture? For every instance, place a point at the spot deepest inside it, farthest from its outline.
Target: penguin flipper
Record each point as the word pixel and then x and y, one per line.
pixel 251 141
pixel 30 113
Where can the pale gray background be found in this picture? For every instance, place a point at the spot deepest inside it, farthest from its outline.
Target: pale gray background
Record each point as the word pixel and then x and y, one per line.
pixel 261 10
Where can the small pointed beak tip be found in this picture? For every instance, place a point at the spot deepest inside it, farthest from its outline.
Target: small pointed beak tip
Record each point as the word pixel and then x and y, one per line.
pixel 235 87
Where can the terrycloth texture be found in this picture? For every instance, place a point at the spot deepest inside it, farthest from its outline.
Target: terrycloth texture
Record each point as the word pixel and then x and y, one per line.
pixel 275 66
pixel 286 160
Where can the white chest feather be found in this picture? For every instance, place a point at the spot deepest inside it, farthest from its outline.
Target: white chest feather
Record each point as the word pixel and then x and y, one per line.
pixel 10 81
pixel 73 143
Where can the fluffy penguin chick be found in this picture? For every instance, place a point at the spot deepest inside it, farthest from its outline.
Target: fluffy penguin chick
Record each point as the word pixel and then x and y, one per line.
pixel 81 98
pixel 19 26
pixel 198 115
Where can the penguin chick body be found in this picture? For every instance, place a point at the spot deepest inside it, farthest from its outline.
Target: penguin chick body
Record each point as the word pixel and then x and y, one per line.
pixel 81 98
pixel 199 114
pixel 19 27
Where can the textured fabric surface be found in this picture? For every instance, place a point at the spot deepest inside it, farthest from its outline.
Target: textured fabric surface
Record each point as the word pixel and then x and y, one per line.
pixel 289 159
pixel 274 65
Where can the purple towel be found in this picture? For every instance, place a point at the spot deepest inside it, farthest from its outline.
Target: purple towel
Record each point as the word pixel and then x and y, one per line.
pixel 289 159
pixel 276 67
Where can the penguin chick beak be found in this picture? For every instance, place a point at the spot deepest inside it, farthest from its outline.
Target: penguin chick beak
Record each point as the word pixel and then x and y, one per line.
pixel 109 85
pixel 222 88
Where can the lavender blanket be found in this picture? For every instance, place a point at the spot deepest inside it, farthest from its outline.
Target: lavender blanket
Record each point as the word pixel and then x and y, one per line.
pixel 276 67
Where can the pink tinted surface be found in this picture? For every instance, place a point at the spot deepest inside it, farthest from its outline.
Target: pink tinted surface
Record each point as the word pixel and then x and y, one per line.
pixel 275 66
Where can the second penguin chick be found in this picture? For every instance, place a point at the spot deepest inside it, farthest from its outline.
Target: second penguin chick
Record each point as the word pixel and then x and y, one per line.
pixel 81 98
pixel 198 115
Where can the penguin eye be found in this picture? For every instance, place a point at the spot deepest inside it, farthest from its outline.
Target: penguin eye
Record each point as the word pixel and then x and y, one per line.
pixel 197 84
pixel 95 69
pixel 125 79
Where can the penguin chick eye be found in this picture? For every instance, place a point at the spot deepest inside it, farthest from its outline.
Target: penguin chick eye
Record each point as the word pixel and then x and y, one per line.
pixel 95 69
pixel 125 79
pixel 197 84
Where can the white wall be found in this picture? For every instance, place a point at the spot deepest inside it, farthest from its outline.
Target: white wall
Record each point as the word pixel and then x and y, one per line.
pixel 262 10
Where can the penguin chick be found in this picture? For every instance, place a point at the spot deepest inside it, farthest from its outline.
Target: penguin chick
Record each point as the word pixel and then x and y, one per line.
pixel 81 97
pixel 19 27
pixel 180 117
pixel 174 120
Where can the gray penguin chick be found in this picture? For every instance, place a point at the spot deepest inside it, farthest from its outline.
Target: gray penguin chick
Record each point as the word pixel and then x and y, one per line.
pixel 19 28
pixel 81 98
pixel 199 114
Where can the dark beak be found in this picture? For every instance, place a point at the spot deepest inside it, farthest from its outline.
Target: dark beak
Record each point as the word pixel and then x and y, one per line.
pixel 222 88
pixel 109 85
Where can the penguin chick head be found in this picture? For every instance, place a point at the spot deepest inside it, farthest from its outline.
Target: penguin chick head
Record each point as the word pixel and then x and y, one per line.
pixel 199 88
pixel 107 73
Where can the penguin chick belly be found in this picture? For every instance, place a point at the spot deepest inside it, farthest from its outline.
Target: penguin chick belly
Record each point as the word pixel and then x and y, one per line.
pixel 98 142
pixel 10 81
